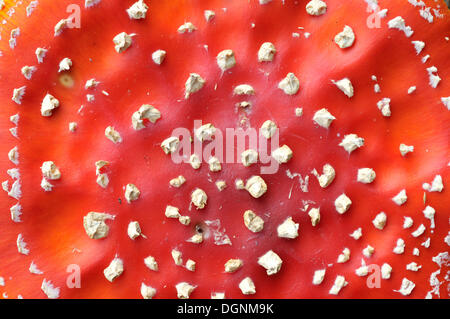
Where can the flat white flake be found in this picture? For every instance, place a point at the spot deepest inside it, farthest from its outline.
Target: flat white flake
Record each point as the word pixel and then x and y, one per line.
pixel 187 27
pixel 345 85
pixel 138 10
pixel 15 191
pixel 418 46
pixel 147 292
pixel 351 142
pixel 30 8
pixel 34 269
pixel 271 262
pixel 429 212
pixel 419 231
pixel 407 287
pixel 319 275
pixel 316 7
pixel 426 14
pixel 434 79
pixel 339 283
pixel 384 106
pixel 18 94
pixel 323 118
pixel 51 291
pixel 407 222
pixel 446 102
pixel 386 270
pixel 65 65
pixel 357 234
pixel 184 290
pixel 344 256
pixel 342 203
pixel 16 212
pixel 114 269
pixel 413 266
pixel 380 221
pixel 400 247
pixel 366 175
pixel 91 3
pixel 40 54
pixel 399 23
pixel 400 198
pixel 288 229
pixel 436 185
pixel 247 286
pixel 345 38
pixel 22 245
pixel 290 84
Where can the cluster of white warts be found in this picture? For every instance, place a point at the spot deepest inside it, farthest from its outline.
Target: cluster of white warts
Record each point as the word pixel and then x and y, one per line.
pixel 95 225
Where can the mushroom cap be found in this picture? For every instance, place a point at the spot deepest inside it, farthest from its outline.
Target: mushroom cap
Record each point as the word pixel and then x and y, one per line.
pixel 52 222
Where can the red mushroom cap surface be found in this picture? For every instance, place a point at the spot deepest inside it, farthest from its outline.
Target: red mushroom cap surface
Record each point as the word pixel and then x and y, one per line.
pixel 359 92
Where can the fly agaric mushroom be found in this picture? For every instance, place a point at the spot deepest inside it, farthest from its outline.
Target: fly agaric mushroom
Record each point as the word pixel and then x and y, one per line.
pixel 44 234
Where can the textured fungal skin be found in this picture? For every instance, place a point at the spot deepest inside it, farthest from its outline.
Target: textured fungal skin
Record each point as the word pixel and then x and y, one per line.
pixel 52 222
